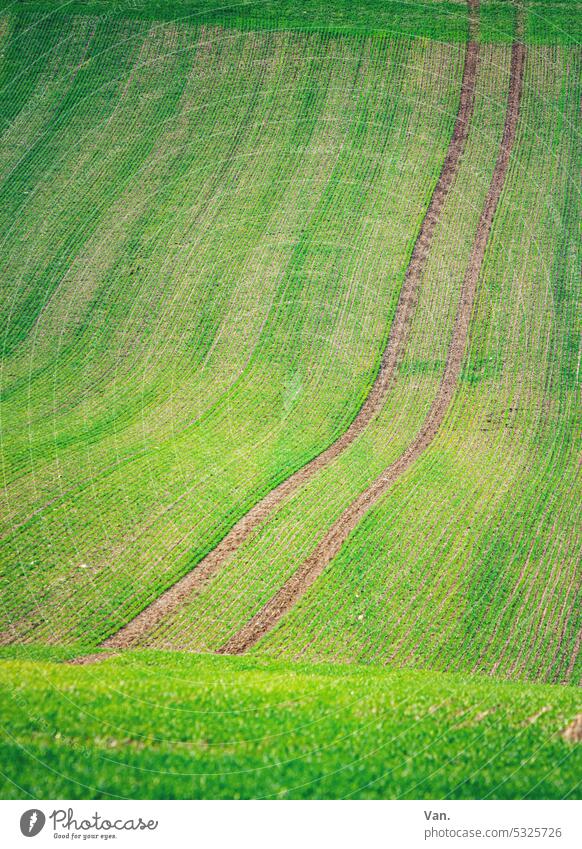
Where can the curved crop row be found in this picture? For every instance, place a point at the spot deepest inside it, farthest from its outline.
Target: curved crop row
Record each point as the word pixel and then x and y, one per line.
pixel 485 529
pixel 372 405
pixel 472 561
pixel 247 582
pixel 204 236
pixel 330 546
pixel 131 438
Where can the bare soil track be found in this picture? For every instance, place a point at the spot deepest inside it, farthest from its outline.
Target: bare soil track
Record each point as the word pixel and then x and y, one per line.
pixel 288 596
pixel 573 733
pixel 85 660
pixel 144 622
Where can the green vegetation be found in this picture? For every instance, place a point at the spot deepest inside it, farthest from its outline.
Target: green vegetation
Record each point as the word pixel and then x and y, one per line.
pixel 244 584
pixel 159 725
pixel 219 317
pixel 206 217
pixel 460 566
pixel 545 21
pixel 472 560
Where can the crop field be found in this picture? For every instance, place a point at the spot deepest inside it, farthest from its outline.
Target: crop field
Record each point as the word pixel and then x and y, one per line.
pixel 248 728
pixel 290 348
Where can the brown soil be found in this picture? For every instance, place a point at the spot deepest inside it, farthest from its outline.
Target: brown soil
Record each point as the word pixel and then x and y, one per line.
pixel 191 583
pixel 328 548
pixel 573 733
pixel 85 659
pixel 574 658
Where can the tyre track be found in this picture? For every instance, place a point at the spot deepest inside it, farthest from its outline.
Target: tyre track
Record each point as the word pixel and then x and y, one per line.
pixel 195 580
pixel 291 592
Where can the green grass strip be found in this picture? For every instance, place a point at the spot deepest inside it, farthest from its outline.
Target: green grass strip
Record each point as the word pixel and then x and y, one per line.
pixel 168 725
pixel 554 22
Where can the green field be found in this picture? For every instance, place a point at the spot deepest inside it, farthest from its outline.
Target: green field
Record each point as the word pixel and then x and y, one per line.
pixel 206 218
pixel 169 725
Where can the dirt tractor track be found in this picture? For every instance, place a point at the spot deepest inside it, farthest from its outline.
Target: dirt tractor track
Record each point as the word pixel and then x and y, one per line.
pixel 288 596
pixel 133 633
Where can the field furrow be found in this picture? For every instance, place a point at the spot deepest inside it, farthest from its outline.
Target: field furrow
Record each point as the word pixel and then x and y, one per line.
pixel 311 569
pixel 473 560
pixel 270 556
pixel 139 627
pixel 290 383
pixel 290 343
pixel 158 469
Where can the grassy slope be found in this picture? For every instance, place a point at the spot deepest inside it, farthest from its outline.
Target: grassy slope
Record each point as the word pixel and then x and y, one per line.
pixel 219 316
pixel 246 581
pixel 471 562
pixel 200 262
pixel 231 727
pixel 158 276
pixel 495 584
pixel 545 21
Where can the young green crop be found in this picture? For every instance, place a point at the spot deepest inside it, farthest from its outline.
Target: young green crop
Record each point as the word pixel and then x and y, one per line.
pixel 223 315
pixel 268 558
pixel 168 725
pixel 205 217
pixel 204 234
pixel 471 562
pixel 545 21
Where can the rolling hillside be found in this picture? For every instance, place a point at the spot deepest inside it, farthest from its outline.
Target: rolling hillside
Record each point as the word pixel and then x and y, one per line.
pixel 290 345
pixel 255 728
